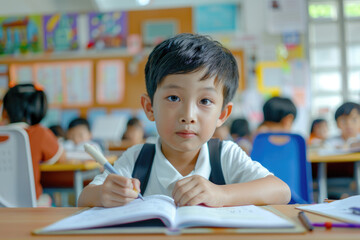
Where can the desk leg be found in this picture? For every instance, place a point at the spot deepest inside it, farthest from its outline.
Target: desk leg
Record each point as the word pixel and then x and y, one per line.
pixel 357 176
pixel 78 184
pixel 80 177
pixel 322 182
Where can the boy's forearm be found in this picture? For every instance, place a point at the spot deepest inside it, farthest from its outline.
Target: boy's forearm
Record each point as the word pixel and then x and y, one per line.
pixel 90 196
pixel 264 191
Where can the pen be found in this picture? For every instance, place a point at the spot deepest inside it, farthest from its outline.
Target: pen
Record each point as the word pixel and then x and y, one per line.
pixel 305 221
pixel 338 225
pixel 99 157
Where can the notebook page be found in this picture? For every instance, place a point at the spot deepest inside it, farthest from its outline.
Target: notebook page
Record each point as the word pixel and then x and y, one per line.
pixel 153 207
pixel 239 217
pixel 338 209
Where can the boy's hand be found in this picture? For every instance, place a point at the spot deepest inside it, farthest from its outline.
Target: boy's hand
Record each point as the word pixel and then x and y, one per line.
pixel 197 190
pixel 118 190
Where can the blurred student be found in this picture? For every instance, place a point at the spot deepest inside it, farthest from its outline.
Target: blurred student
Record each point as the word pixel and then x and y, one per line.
pixel 134 133
pixel 318 132
pixel 347 118
pixel 279 115
pixel 240 133
pixel 25 106
pixel 79 133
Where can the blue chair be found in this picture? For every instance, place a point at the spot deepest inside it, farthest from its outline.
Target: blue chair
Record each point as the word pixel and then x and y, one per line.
pixel 284 154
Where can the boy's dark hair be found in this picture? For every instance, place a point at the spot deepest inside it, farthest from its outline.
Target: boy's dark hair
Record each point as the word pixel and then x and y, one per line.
pixel 78 122
pixel 240 127
pixel 276 108
pixel 315 122
pixel 24 103
pixel 58 131
pixel 187 53
pixel 346 109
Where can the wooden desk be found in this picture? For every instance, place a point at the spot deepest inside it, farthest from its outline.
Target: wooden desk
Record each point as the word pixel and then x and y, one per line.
pixel 20 222
pixel 323 160
pixel 83 170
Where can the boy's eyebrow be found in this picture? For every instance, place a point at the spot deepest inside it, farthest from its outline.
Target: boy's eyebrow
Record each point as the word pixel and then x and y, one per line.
pixel 173 86
pixel 170 86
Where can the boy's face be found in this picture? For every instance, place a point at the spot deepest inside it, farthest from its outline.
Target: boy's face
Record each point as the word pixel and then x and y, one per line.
pixel 79 134
pixel 186 111
pixel 349 124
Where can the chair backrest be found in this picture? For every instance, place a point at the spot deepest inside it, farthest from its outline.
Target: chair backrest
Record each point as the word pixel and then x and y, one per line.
pixel 284 154
pixel 17 188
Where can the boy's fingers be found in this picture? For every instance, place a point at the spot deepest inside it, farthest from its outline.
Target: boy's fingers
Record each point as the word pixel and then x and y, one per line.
pixel 120 180
pixel 121 192
pixel 184 188
pixel 189 197
pixel 136 184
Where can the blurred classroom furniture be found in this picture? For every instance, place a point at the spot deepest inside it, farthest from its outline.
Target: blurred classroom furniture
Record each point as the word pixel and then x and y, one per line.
pixel 284 154
pixel 80 170
pixel 322 176
pixel 25 220
pixel 17 188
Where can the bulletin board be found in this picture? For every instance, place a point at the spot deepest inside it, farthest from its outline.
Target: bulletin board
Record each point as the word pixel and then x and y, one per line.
pixel 97 72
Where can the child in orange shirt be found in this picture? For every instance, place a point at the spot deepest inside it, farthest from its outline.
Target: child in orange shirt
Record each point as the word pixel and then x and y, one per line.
pixel 25 106
pixel 318 132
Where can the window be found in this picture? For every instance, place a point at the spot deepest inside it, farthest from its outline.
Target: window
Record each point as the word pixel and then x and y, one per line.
pixel 334 52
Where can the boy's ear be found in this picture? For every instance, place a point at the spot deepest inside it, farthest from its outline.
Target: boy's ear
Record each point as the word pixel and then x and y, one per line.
pixel 146 104
pixel 225 113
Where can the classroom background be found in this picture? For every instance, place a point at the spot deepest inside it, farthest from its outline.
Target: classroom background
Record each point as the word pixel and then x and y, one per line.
pixel 89 55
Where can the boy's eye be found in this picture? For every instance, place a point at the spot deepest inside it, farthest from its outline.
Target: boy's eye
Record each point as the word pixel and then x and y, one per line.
pixel 205 101
pixel 173 98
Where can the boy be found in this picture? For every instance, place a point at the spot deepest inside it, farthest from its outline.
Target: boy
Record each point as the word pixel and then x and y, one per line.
pixel 347 118
pixel 279 115
pixel 190 81
pixel 78 134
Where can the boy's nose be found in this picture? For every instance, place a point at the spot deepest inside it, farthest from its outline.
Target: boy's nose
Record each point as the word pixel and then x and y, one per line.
pixel 188 114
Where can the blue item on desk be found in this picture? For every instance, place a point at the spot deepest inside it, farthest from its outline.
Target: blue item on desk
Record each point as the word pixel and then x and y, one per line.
pixel 287 160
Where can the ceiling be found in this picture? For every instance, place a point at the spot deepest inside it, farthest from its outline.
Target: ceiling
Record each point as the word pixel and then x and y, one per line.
pixel 22 7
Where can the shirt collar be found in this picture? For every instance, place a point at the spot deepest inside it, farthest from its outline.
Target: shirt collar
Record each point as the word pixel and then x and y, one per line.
pixel 168 175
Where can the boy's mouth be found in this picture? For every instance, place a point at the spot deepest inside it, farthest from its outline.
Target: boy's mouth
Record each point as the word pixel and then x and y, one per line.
pixel 186 134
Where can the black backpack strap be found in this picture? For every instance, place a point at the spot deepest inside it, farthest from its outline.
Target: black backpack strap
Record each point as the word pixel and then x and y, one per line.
pixel 143 164
pixel 216 175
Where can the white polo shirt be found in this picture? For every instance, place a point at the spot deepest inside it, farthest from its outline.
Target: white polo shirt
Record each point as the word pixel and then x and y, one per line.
pixel 237 167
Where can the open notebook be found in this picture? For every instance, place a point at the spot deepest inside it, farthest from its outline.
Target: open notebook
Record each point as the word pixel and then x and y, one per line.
pixel 339 209
pixel 144 217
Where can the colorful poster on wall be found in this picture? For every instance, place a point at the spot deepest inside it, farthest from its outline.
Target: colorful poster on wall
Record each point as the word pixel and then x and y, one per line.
pixel 107 30
pixel 20 34
pixel 110 81
pixel 78 83
pixel 50 76
pixel 60 32
pixel 215 18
